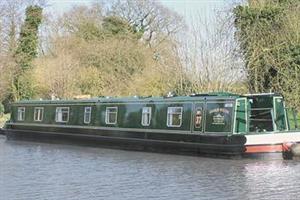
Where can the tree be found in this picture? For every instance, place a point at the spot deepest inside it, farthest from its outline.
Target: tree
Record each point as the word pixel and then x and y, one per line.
pixel 106 57
pixel 267 32
pixel 57 75
pixel 154 22
pixel 113 25
pixel 28 41
pixel 207 55
pixel 26 52
pixel 11 18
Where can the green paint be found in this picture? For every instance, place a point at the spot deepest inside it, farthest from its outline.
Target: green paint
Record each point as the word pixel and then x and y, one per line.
pixel 241 116
pixel 201 117
pixel 219 115
pixel 280 115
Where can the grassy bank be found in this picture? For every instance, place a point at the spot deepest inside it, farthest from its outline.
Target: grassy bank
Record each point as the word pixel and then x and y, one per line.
pixel 3 119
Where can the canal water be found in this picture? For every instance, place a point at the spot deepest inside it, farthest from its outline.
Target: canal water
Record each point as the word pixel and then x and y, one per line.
pixel 54 171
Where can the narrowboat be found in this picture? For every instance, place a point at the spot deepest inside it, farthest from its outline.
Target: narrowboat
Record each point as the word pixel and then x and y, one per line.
pixel 213 124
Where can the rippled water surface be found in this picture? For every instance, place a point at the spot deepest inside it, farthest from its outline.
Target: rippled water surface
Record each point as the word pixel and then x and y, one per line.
pixel 51 171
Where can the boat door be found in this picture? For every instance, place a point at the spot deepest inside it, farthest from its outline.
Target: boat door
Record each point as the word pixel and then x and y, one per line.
pixel 198 118
pixel 280 116
pixel 241 116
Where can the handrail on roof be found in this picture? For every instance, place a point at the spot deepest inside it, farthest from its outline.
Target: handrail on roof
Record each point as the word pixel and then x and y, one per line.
pixel 261 94
pixel 213 94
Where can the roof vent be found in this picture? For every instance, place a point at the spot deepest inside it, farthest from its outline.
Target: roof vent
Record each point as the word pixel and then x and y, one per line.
pixel 170 94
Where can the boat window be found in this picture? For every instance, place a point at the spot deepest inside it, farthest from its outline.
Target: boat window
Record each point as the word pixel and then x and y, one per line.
pixel 111 115
pixel 38 114
pixel 198 118
pixel 174 118
pixel 261 117
pixel 87 115
pixel 62 114
pixel 21 113
pixel 219 117
pixel 261 120
pixel 146 116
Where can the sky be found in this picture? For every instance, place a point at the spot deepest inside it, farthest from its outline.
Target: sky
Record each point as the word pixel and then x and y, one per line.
pixel 186 8
pixel 190 7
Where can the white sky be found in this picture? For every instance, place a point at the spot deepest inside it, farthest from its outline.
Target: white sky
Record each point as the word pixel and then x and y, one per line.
pixel 186 8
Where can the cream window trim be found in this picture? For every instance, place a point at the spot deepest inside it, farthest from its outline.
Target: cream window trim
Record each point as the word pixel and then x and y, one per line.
pixel 109 111
pixel 38 114
pixel 87 115
pixel 21 113
pixel 146 116
pixel 173 111
pixel 60 112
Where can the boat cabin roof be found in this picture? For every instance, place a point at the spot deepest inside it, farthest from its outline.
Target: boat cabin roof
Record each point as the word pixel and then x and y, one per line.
pixel 223 96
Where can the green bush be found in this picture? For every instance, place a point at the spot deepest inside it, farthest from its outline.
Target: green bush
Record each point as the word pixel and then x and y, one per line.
pixel 293 119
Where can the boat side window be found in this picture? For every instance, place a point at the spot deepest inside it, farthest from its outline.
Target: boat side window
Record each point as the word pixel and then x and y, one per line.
pixel 174 117
pixel 146 116
pixel 62 114
pixel 111 115
pixel 198 118
pixel 261 120
pixel 21 113
pixel 87 115
pixel 38 114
